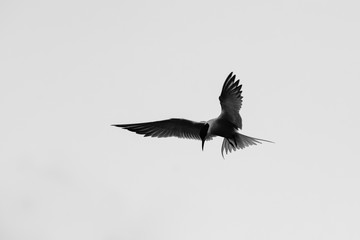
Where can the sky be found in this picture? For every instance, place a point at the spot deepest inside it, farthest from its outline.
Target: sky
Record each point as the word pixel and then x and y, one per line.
pixel 70 69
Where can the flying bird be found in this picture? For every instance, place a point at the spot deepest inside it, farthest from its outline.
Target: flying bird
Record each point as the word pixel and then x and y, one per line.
pixel 226 125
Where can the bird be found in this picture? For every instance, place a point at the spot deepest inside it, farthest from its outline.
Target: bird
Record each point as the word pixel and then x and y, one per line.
pixel 226 125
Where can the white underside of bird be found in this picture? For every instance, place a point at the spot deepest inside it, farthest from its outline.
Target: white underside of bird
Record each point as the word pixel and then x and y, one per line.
pixel 226 125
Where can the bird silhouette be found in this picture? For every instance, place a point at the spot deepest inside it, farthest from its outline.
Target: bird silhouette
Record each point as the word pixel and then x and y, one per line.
pixel 226 125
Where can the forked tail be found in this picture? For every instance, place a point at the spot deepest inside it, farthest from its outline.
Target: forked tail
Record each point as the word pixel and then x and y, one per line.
pixel 240 141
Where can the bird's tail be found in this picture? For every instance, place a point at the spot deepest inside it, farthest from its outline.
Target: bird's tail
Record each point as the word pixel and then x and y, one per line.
pixel 239 141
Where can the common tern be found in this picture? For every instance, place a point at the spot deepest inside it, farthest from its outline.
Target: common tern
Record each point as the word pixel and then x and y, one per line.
pixel 226 125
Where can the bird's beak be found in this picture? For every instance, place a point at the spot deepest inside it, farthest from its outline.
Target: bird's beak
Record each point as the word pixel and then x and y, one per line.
pixel 202 144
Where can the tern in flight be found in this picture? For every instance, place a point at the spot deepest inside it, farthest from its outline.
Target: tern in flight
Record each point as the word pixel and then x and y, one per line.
pixel 226 125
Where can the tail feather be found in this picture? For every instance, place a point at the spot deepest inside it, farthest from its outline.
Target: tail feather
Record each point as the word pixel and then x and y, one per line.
pixel 239 142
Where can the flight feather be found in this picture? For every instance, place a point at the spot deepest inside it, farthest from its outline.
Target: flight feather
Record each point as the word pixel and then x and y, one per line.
pixel 174 127
pixel 231 100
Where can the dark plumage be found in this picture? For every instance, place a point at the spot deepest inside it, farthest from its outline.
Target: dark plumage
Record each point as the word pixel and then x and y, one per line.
pixel 225 125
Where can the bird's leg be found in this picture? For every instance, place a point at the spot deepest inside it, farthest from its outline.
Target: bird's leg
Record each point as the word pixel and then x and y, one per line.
pixel 231 143
pixel 235 141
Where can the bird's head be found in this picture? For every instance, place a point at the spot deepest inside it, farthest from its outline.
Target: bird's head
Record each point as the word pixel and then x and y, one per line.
pixel 203 133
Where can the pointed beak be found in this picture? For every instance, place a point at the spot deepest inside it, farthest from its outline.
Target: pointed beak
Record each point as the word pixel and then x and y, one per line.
pixel 202 144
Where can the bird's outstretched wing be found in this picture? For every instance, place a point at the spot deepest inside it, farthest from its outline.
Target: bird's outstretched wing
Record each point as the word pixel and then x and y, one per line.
pixel 173 127
pixel 231 100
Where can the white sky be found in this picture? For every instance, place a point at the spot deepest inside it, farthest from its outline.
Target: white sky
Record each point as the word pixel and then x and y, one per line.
pixel 69 69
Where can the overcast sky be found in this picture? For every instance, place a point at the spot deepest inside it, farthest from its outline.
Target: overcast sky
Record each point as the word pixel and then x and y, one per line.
pixel 70 69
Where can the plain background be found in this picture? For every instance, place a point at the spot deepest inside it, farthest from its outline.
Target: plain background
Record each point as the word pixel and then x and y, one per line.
pixel 70 69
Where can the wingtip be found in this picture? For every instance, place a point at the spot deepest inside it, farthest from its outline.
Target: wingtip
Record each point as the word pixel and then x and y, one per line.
pixel 229 76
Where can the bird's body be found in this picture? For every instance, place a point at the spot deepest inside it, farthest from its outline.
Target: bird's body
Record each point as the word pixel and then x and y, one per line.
pixel 221 127
pixel 226 125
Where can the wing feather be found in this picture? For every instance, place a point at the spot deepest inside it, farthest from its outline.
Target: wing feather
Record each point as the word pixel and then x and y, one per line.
pixel 231 100
pixel 174 127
